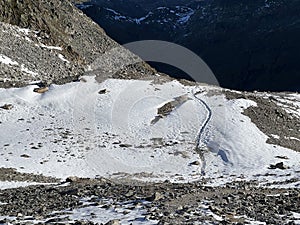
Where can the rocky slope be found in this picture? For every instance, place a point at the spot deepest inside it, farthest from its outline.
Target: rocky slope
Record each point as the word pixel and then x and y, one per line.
pixel 76 39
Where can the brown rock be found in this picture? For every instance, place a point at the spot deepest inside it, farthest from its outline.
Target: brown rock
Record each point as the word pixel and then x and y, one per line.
pixel 41 90
pixel 155 197
pixel 72 179
pixel 113 222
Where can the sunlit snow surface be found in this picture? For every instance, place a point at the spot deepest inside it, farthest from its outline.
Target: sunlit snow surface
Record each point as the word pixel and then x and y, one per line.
pixel 6 60
pixel 74 130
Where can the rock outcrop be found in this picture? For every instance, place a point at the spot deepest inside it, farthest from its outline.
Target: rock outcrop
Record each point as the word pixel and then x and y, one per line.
pixel 50 41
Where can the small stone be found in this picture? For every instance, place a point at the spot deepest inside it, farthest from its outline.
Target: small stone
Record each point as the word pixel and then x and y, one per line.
pixel 103 91
pixel 130 193
pixel 155 197
pixel 113 222
pixel 215 209
pixel 180 207
pixel 25 156
pixel 281 157
pixel 125 145
pixel 125 212
pixel 278 166
pixel 72 179
pixel 195 163
pixel 82 80
pixel 272 98
pixel 41 90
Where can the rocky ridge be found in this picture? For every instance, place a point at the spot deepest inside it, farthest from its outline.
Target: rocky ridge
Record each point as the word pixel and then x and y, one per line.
pixel 50 41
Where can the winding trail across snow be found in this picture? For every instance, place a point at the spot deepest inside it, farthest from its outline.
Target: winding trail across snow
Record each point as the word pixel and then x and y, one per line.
pixel 199 148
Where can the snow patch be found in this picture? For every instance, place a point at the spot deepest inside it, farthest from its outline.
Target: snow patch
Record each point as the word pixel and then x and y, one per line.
pixel 49 47
pixel 275 136
pixel 63 58
pixel 97 214
pixel 75 129
pixel 8 61
pixel 26 70
pixel 24 30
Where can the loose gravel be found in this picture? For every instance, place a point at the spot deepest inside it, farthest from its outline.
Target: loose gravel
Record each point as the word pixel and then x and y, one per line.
pixel 169 203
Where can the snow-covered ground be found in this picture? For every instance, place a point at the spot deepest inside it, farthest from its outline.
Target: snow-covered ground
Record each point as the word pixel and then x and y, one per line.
pixel 90 129
pixel 99 214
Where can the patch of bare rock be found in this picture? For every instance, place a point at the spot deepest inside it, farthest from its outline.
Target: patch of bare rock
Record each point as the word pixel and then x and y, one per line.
pixel 168 203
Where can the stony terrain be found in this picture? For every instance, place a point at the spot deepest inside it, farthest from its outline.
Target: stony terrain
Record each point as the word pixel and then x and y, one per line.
pixel 193 203
pixel 33 61
pixel 55 27
pixel 10 174
pixel 277 122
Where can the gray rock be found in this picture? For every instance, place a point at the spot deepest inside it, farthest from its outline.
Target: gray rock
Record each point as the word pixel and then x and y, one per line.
pixel 113 222
pixel 155 197
pixel 7 106
pixel 278 166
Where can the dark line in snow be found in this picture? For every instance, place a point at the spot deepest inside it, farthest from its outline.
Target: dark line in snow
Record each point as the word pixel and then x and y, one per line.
pixel 198 148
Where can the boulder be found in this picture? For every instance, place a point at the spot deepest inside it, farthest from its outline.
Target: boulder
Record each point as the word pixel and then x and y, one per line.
pixel 41 90
pixel 7 106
